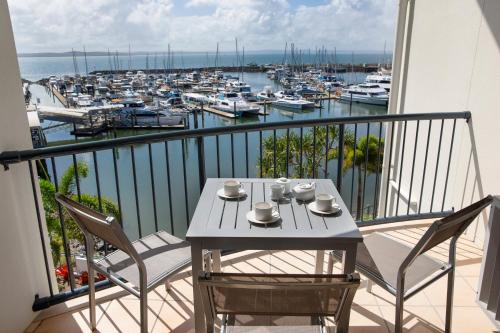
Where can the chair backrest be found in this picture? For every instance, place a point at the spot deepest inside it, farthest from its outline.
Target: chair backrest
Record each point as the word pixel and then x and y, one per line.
pixel 96 224
pixel 451 226
pixel 277 294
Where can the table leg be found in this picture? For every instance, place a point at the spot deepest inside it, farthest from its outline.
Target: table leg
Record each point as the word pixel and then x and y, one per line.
pixel 217 263
pixel 197 266
pixel 320 259
pixel 349 259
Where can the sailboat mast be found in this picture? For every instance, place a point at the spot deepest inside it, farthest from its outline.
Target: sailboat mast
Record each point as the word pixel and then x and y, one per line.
pixel 86 64
pixel 129 58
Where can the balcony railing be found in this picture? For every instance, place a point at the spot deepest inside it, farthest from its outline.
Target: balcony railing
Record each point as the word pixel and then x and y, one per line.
pixel 153 181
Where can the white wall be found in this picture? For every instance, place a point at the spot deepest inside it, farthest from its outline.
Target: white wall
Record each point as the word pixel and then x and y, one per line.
pixel 22 273
pixel 454 65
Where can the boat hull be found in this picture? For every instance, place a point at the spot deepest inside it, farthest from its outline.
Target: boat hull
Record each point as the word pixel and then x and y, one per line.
pixel 364 100
pixel 293 106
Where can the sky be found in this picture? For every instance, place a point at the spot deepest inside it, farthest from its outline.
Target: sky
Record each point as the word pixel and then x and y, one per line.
pixel 197 25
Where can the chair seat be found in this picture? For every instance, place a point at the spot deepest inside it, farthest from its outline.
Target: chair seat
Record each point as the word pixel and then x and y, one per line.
pixel 380 257
pixel 162 253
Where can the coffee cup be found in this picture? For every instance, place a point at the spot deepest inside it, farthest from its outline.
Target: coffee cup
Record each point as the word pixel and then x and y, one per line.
pixel 325 201
pixel 277 191
pixel 264 211
pixel 232 188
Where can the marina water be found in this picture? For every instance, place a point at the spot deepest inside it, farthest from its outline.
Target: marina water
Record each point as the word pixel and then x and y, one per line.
pixel 178 225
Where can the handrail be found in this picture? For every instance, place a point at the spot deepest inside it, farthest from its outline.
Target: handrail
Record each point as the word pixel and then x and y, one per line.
pixel 17 156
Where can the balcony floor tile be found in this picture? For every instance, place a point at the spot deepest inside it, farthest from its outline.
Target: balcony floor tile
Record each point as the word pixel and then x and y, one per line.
pixel 371 313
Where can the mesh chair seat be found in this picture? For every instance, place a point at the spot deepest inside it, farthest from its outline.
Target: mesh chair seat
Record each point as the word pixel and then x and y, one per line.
pixel 380 257
pixel 162 253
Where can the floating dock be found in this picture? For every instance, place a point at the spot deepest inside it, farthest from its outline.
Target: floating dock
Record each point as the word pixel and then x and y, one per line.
pixel 57 94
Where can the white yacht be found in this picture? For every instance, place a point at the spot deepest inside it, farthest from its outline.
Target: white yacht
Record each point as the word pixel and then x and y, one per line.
pixel 84 100
pixel 238 86
pixel 292 102
pixel 136 107
pixel 231 102
pixel 194 98
pixel 383 80
pixel 266 94
pixel 368 93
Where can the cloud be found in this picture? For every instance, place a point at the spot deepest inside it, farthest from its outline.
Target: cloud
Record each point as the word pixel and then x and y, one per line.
pixel 59 25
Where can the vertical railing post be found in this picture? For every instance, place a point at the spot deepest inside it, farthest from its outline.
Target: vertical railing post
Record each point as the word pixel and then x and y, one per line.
pixel 201 162
pixel 341 157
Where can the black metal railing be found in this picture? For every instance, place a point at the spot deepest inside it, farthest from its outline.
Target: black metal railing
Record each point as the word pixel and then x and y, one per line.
pixel 153 181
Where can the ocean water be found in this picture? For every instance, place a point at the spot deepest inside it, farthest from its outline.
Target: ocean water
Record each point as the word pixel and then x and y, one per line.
pixel 35 68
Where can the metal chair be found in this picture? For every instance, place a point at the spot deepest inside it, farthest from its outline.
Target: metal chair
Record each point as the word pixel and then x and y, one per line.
pixel 144 264
pixel 404 271
pixel 269 295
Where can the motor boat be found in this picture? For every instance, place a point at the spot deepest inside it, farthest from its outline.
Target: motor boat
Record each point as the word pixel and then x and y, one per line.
pixel 266 94
pixel 231 102
pixel 383 80
pixel 368 93
pixel 84 100
pixel 292 102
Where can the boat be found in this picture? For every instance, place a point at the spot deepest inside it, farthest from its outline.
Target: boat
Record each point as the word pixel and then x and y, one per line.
pixel 161 117
pixel 231 102
pixel 174 101
pixel 238 86
pixel 162 92
pixel 293 102
pixel 383 80
pixel 136 107
pixel 194 99
pixel 368 93
pixel 248 96
pixel 84 100
pixel 304 89
pixel 266 94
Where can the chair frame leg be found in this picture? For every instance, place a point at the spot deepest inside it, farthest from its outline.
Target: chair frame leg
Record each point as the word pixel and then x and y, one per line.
pixel 400 299
pixel 331 262
pixel 168 286
pixel 89 248
pixel 143 297
pixel 369 285
pixel 449 300
pixel 92 302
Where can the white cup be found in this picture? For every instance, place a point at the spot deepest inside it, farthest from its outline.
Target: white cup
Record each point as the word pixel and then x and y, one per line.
pixel 277 191
pixel 325 201
pixel 264 211
pixel 232 188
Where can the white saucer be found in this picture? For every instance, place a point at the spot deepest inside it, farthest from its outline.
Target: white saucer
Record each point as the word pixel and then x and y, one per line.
pixel 251 217
pixel 241 193
pixel 314 208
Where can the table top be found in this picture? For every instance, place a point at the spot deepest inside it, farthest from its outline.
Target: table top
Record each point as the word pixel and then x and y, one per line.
pixel 222 224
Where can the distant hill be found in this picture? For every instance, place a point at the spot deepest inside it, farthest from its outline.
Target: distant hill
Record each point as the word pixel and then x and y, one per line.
pixel 68 54
pixel 105 53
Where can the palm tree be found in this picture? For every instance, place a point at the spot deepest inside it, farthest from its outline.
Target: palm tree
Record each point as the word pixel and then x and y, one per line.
pixel 312 155
pixel 67 187
pixel 366 156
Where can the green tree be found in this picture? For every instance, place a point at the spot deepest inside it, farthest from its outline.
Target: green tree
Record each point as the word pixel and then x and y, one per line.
pixel 366 156
pixel 314 152
pixel 68 187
